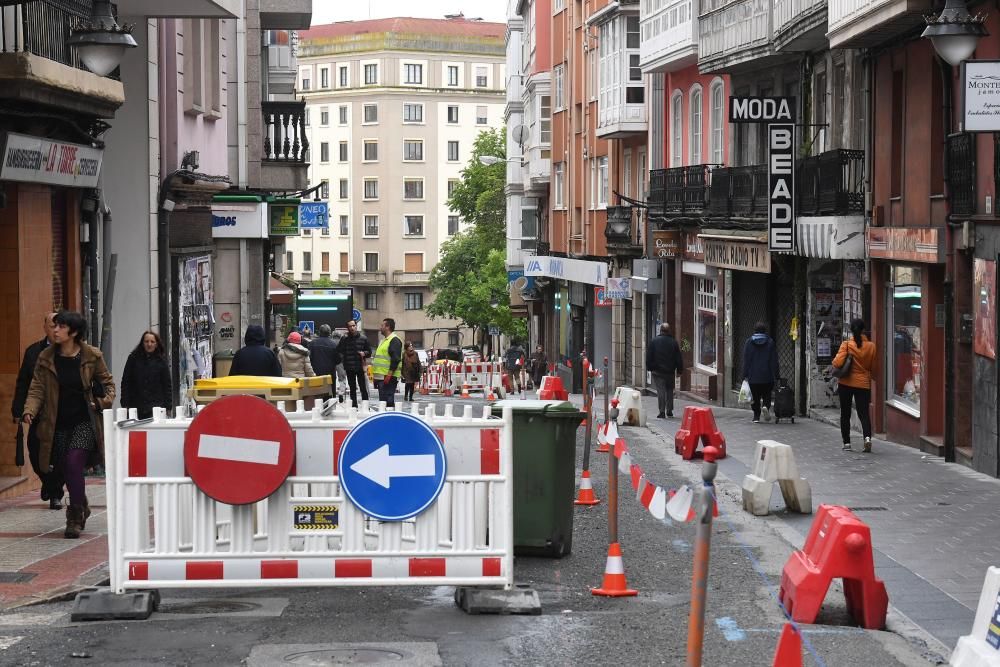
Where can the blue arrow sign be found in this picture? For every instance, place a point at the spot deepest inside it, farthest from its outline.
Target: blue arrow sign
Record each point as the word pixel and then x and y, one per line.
pixel 392 466
pixel 356 314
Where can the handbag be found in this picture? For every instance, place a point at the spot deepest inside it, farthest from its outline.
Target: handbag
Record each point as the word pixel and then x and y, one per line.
pixel 844 370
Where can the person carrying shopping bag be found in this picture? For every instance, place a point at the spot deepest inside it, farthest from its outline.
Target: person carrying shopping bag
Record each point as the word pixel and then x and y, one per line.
pixel 853 370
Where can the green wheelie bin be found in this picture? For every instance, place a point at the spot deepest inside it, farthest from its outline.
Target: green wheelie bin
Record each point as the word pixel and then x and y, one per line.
pixel 544 475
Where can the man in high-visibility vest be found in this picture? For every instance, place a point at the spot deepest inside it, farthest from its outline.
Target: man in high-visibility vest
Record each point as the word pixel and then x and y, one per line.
pixel 387 363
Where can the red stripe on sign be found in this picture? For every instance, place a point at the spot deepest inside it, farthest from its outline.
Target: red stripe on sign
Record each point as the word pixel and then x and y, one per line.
pixel 647 495
pixel 489 451
pixel 353 567
pixel 137 454
pixel 427 567
pixel 209 569
pixel 440 432
pixel 491 567
pixel 279 569
pixel 339 435
pixel 138 571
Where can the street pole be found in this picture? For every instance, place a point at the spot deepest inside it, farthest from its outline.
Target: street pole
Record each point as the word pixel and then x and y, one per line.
pixel 613 485
pixel 605 390
pixel 588 407
pixel 702 547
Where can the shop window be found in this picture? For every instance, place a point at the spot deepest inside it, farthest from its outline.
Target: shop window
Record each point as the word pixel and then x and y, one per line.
pixel 706 308
pixel 906 356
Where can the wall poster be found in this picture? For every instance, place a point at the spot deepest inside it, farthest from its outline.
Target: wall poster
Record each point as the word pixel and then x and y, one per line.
pixel 196 320
pixel 985 303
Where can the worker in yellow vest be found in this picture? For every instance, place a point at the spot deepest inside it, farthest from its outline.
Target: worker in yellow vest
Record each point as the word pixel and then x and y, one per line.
pixel 387 363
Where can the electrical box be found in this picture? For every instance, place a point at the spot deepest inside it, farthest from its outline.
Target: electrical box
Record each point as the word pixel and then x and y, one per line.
pixel 965 329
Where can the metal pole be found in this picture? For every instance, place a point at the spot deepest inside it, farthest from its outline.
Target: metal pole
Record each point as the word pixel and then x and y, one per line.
pixel 702 547
pixel 588 407
pixel 605 389
pixel 613 485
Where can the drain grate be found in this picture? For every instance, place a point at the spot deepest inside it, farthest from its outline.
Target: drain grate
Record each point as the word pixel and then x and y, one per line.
pixel 207 607
pixel 16 577
pixel 345 656
pixel 868 509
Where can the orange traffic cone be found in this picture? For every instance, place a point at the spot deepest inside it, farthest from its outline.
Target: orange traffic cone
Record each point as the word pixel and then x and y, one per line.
pixel 603 446
pixel 490 396
pixel 586 495
pixel 789 651
pixel 465 390
pixel 614 585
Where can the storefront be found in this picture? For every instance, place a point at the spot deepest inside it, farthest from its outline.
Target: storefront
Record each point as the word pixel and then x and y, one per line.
pixel 908 325
pixel 697 304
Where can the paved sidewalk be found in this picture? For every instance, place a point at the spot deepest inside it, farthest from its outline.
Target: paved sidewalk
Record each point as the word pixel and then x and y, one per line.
pixel 36 562
pixel 934 524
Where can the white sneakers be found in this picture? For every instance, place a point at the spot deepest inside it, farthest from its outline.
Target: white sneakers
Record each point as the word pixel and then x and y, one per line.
pixel 767 414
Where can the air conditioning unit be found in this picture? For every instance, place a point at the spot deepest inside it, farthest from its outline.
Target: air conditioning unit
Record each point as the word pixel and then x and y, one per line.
pixel 965 236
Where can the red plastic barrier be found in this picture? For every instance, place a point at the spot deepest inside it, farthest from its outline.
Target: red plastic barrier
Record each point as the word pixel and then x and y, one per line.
pixel 839 546
pixel 698 425
pixel 552 389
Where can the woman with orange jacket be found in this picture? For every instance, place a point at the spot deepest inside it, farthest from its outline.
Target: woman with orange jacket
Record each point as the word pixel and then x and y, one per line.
pixel 856 385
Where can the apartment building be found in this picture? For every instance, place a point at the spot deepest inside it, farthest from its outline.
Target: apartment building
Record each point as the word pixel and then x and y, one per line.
pixel 394 107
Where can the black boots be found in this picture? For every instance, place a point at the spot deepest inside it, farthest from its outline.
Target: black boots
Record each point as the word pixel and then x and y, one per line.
pixel 86 514
pixel 74 521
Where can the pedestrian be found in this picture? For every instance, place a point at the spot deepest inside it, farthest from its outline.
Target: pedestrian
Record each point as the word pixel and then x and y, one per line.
pixel 387 363
pixel 856 382
pixel 146 378
pixel 254 358
pixel 412 370
pixel 664 361
pixel 515 364
pixel 539 366
pixel 324 356
pixel 294 358
pixel 52 484
pixel 354 351
pixel 71 384
pixel 760 370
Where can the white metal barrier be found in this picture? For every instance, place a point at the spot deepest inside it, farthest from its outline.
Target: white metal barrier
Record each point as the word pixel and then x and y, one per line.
pixel 478 375
pixel 164 532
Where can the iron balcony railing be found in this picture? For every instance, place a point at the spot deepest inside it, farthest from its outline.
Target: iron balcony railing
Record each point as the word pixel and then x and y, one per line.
pixel 285 132
pixel 42 27
pixel 831 183
pixel 680 189
pixel 961 149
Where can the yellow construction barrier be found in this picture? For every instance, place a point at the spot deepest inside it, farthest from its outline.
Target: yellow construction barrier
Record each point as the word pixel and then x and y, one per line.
pixel 273 389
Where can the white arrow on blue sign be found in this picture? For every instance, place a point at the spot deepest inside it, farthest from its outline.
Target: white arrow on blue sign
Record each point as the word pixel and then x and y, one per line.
pixel 356 314
pixel 392 466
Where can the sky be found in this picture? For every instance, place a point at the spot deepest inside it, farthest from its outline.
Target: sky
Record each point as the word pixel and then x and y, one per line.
pixel 329 11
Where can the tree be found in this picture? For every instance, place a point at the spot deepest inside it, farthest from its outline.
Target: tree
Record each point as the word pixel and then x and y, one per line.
pixel 471 275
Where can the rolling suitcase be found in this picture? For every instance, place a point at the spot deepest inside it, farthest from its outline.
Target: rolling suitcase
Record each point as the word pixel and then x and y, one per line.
pixel 784 402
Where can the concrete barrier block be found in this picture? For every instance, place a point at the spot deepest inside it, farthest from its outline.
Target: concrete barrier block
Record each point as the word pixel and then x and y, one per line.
pixel 756 495
pixel 981 648
pixel 630 410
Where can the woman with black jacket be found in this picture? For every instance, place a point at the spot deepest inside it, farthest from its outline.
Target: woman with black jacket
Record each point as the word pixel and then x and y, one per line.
pixel 146 379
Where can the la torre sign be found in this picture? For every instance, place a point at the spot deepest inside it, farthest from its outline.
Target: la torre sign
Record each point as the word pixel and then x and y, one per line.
pixel 777 114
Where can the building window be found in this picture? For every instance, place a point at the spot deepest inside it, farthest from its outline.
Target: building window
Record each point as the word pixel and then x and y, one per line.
pixel 414 301
pixel 413 74
pixel 345 226
pixel 413 113
pixel 371 151
pixel 453 151
pixel 307 261
pixel 325 231
pixel 545 119
pixel 452 75
pixel 413 150
pixel 371 75
pixel 413 188
pixel 452 225
pixel 453 339
pixel 371 113
pixel 907 348
pixel 602 181
pixel 324 259
pixel 289 265
pixel 413 262
pixel 344 155
pixel 343 76
pixel 371 188
pixel 306 79
pixel 627 173
pixel 324 116
pixel 705 338
pixel 453 114
pixel 718 106
pixel 559 187
pixel 371 225
pixel 642 186
pixel 308 116
pixel 344 190
pixel 452 184
pixel 481 77
pixel 695 126
pixel 324 77
pixel 676 127
pixel 481 115
pixel 343 114
pixel 560 71
pixel 371 298
pixel 324 189
pixel 413 225
pixel 344 264
pixel 324 152
pixel 306 232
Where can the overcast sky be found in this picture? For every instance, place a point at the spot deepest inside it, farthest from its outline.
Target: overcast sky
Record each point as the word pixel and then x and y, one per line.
pixel 329 11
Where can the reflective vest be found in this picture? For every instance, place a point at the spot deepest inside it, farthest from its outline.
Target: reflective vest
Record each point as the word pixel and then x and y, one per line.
pixel 380 362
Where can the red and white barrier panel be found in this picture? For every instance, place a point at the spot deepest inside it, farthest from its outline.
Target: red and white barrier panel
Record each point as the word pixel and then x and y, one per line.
pixel 478 375
pixel 165 532
pixel 657 499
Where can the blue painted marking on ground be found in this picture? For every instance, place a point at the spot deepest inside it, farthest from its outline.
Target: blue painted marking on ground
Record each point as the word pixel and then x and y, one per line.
pixel 730 629
pixel 681 545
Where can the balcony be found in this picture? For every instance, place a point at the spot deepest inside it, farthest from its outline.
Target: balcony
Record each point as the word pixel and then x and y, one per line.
pixel 617 121
pixel 621 102
pixel 410 278
pixel 369 277
pixel 681 190
pixel 539 163
pixel 961 149
pixel 831 183
pixel 285 14
pixel 670 39
pixel 37 67
pixel 865 23
pixel 734 33
pixel 739 192
pixel 799 25
pixel 284 163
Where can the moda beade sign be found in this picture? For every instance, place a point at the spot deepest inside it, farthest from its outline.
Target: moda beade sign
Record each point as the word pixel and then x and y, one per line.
pixel 776 113
pixel 981 95
pixel 36 160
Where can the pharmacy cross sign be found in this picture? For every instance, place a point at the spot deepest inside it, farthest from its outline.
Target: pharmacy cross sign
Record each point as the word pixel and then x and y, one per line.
pixel 777 114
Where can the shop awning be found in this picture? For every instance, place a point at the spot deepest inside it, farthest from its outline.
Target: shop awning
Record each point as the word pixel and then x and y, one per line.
pixel 840 237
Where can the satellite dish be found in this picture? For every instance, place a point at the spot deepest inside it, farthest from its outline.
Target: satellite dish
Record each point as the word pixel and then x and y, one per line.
pixel 519 134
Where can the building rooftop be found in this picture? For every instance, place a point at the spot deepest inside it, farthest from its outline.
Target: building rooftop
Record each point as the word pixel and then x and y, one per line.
pixel 404 34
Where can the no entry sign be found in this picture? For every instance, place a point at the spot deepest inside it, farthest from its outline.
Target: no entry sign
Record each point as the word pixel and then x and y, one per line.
pixel 239 450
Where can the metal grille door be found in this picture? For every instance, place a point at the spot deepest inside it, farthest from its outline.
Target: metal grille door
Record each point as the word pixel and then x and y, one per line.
pixel 750 305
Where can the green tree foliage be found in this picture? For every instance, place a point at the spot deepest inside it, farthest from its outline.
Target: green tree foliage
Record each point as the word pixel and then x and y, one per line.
pixel 471 273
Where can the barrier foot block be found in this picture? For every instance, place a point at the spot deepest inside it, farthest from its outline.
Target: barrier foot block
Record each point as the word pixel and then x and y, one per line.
pixel 797 495
pixel 104 605
pixel 518 600
pixel 756 495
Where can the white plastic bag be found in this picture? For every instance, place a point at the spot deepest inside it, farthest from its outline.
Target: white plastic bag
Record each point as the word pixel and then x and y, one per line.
pixel 745 396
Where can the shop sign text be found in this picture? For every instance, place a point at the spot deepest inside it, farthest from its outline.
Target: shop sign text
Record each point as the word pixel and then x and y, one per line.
pixel 737 256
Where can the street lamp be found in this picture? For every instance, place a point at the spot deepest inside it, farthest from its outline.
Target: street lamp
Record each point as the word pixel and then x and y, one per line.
pixel 101 42
pixel 955 32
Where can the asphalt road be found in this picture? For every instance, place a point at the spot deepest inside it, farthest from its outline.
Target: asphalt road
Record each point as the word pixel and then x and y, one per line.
pixel 423 626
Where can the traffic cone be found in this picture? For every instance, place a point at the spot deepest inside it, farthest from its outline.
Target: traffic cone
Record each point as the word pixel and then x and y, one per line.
pixel 465 390
pixel 789 651
pixel 614 585
pixel 586 495
pixel 490 396
pixel 603 446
